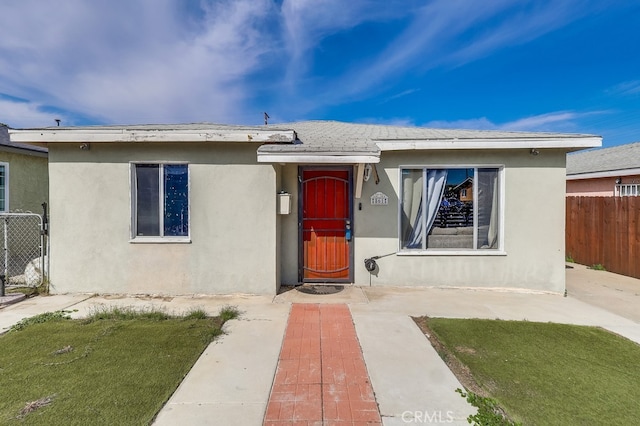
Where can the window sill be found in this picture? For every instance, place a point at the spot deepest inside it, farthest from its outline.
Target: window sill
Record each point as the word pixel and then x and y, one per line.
pixel 452 252
pixel 160 240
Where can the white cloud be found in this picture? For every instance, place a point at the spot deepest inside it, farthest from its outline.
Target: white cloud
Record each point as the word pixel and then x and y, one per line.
pixel 452 33
pixel 522 24
pixel 134 61
pixel 559 121
pixel 307 22
pixel 399 95
pixel 543 121
pixel 626 88
pixel 474 123
pixel 25 114
pixel 397 121
pixel 175 61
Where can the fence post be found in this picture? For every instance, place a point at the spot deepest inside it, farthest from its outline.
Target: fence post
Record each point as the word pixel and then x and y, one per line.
pixel 45 242
pixel 5 247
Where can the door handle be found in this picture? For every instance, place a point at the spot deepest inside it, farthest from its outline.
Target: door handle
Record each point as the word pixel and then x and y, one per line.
pixel 347 230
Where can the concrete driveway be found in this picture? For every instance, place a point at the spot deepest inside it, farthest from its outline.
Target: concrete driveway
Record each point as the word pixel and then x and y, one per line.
pixel 231 382
pixel 612 292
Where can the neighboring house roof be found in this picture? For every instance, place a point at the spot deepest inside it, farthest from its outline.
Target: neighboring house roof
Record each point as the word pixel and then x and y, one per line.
pixel 467 182
pixel 7 145
pixel 313 141
pixel 605 162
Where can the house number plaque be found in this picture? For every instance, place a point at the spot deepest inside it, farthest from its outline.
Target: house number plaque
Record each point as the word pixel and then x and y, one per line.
pixel 379 199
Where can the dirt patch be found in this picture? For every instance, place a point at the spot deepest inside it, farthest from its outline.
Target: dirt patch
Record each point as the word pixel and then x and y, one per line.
pixel 461 371
pixel 465 350
pixel 118 296
pixel 35 405
pixel 285 288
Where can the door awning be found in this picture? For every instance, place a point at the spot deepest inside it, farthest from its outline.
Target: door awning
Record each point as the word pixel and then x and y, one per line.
pixel 317 158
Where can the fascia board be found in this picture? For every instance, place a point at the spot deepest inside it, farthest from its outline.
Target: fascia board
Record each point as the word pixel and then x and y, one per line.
pixel 106 135
pixel 317 158
pixel 578 142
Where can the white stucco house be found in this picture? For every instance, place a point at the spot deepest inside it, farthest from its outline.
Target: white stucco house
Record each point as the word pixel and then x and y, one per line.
pixel 205 208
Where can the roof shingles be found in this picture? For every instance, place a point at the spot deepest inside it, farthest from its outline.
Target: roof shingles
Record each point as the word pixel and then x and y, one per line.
pixel 5 142
pixel 335 136
pixel 620 157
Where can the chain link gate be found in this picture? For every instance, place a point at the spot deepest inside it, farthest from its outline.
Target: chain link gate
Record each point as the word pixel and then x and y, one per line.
pixel 22 260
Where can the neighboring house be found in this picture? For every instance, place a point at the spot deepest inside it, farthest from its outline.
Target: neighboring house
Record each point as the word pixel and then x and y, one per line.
pixel 464 191
pixel 605 172
pixel 24 181
pixel 204 208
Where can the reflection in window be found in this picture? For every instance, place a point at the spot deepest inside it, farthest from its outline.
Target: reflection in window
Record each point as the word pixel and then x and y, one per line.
pixel 161 200
pixel 454 208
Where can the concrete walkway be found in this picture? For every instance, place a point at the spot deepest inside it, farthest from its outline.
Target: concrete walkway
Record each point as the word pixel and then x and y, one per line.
pixel 231 382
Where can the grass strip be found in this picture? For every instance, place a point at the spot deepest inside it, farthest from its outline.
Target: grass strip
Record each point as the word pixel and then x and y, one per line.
pixel 545 373
pixel 116 367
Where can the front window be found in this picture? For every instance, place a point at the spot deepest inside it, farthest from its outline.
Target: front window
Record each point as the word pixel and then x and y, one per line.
pixel 450 209
pixel 161 200
pixel 4 187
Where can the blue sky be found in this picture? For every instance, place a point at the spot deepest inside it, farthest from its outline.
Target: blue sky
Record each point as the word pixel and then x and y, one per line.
pixel 560 66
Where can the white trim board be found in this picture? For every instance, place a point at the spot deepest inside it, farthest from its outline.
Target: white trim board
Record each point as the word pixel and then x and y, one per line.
pixel 308 158
pixel 538 143
pixel 135 135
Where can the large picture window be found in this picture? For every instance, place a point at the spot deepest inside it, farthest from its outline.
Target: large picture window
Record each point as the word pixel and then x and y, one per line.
pixel 161 200
pixel 450 209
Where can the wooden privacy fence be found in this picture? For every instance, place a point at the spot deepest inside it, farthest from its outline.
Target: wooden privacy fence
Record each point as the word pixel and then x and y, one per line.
pixel 606 231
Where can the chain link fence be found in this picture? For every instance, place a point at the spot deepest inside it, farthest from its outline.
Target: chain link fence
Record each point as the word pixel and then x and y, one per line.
pixel 22 260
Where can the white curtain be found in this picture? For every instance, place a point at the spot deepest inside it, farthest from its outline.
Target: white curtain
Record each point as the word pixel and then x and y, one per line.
pixel 434 189
pixel 412 183
pixel 492 234
pixel 487 207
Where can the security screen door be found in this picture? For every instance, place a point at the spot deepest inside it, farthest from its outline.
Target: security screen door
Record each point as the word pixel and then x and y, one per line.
pixel 325 225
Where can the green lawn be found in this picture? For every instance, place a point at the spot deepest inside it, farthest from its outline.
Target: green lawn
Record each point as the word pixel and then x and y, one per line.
pixel 115 369
pixel 548 374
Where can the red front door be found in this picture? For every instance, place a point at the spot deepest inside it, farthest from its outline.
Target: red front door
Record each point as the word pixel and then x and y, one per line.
pixel 326 225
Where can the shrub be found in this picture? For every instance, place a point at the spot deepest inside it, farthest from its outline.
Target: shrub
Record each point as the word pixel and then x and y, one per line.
pixel 40 318
pixel 489 413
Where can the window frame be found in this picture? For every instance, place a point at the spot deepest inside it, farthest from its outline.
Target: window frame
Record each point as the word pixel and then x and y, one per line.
pixel 626 190
pixel 500 251
pixel 134 203
pixel 6 187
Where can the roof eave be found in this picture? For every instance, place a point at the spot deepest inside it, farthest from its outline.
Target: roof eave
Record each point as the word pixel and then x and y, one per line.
pixel 570 143
pixel 318 158
pixel 40 136
pixel 25 150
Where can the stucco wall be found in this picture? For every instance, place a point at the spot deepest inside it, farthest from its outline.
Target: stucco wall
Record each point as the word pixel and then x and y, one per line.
pixel 533 226
pixel 600 187
pixel 232 222
pixel 28 181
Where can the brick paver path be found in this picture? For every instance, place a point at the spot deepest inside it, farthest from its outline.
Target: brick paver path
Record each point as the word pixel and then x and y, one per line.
pixel 321 379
